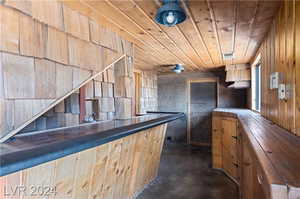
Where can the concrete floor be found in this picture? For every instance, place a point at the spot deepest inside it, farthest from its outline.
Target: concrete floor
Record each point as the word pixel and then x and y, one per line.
pixel 185 173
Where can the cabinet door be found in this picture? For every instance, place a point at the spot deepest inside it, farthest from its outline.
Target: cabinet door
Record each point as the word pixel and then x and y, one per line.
pixel 217 142
pixel 251 185
pixel 247 173
pixel 230 162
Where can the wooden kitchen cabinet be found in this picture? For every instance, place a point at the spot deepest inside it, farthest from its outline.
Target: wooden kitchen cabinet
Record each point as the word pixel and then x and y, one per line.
pixel 232 154
pixel 262 158
pixel 252 176
pixel 225 141
pixel 229 140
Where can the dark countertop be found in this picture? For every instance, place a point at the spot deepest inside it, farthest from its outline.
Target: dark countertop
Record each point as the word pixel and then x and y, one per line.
pixel 33 149
pixel 279 146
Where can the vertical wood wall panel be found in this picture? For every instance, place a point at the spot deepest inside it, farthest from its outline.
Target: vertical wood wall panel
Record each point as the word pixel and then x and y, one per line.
pixel 117 170
pixel 278 55
pixel 297 69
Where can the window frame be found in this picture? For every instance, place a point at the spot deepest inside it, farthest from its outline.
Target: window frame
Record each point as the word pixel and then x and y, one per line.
pixel 256 84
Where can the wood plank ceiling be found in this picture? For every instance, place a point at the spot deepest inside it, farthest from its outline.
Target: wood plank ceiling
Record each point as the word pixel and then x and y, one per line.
pixel 211 29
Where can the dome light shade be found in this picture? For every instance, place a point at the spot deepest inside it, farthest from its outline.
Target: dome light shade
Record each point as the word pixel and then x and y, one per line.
pixel 178 68
pixel 170 13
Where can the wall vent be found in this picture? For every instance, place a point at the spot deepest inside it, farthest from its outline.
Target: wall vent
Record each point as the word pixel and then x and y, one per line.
pixel 228 56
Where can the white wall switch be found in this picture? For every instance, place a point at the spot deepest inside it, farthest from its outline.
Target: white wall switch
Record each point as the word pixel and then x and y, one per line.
pixel 274 80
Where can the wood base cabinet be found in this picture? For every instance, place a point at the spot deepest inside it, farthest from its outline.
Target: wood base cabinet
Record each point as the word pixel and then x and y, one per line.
pixel 232 154
pixel 251 179
pixel 225 142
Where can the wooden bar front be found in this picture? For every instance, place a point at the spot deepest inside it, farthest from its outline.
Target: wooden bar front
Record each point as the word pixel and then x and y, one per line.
pixel 119 169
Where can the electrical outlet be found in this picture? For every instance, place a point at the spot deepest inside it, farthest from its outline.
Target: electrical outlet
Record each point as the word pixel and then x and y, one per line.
pixel 282 92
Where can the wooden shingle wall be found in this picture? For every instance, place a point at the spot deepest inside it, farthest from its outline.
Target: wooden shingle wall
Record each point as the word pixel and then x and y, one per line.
pixel 46 51
pixel 119 169
pixel 148 91
pixel 280 53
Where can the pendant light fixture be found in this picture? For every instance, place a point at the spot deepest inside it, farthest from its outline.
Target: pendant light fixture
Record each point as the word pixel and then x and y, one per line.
pixel 170 13
pixel 178 68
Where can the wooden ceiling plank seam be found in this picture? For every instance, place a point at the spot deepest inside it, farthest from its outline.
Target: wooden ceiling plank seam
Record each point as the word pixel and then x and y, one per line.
pixel 188 11
pixel 128 17
pixel 213 18
pixel 183 35
pixel 138 48
pixel 236 2
pixel 142 10
pixel 251 27
pixel 140 55
pixel 111 21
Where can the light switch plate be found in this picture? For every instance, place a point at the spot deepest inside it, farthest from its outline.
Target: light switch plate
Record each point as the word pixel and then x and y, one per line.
pixel 274 80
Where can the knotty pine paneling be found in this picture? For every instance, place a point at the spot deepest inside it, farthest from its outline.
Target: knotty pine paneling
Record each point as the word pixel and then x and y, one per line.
pixel 297 69
pixel 119 169
pixel 278 55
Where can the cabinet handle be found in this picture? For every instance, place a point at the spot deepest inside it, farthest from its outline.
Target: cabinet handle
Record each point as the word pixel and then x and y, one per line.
pixel 236 165
pixel 259 178
pixel 235 137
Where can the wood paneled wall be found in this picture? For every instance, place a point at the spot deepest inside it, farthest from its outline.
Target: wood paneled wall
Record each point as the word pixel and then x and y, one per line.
pixel 280 53
pixel 46 51
pixel 118 170
pixel 149 91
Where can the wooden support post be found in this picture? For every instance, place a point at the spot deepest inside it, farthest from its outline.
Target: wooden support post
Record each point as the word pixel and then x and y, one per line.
pixel 82 104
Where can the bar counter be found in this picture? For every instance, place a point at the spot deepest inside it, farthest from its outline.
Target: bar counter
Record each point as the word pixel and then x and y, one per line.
pixel 25 151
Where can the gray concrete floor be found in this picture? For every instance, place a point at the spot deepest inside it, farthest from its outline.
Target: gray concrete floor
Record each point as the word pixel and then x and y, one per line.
pixel 185 173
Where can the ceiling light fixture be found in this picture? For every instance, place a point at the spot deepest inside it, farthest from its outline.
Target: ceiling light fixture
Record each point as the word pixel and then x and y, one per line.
pixel 170 13
pixel 178 68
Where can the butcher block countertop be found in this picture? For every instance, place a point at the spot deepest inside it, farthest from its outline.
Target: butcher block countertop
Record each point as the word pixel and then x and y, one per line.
pixel 277 149
pixel 25 151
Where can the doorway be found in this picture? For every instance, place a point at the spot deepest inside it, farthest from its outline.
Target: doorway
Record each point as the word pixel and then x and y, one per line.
pixel 202 100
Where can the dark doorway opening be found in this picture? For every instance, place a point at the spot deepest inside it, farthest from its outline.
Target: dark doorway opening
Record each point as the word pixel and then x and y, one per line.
pixel 202 100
